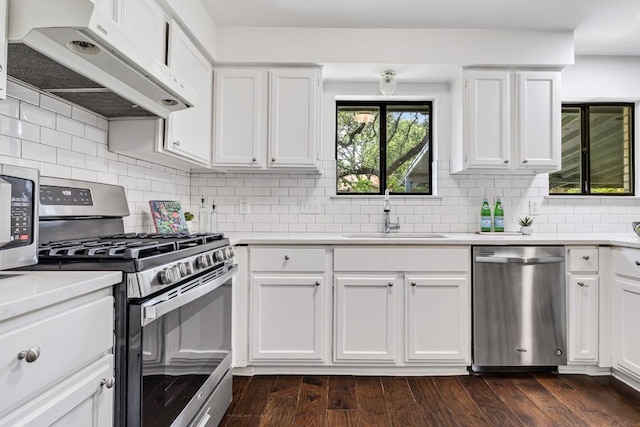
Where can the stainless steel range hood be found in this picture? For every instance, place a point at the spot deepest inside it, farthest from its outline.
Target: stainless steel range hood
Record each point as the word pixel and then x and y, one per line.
pixel 70 49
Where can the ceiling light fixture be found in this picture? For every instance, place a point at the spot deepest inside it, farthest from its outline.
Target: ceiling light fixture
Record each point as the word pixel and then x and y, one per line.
pixel 388 83
pixel 364 117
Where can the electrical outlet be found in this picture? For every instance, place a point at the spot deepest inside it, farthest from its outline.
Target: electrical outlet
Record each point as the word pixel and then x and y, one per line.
pixel 244 206
pixel 308 208
pixel 534 207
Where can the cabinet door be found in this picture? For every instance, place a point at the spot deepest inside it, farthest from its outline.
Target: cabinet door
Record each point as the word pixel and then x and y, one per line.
pixel 145 24
pixel 240 117
pixel 539 114
pixel 188 133
pixel 287 317
pixel 438 318
pixel 626 312
pixel 487 119
pixel 582 295
pixel 293 117
pixel 365 326
pixel 81 400
pixel 110 8
pixel 3 49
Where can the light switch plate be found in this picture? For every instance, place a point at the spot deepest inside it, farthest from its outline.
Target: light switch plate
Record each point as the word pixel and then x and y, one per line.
pixel 244 206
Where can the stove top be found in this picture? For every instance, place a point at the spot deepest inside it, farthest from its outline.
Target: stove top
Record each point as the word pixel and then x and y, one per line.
pixel 126 246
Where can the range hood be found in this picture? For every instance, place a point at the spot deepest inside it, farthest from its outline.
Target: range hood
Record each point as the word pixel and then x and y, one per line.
pixel 70 49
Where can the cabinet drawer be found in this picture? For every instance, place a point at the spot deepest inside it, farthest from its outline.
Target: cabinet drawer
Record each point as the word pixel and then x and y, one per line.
pixel 626 262
pixel 583 259
pixel 287 259
pixel 67 341
pixel 402 259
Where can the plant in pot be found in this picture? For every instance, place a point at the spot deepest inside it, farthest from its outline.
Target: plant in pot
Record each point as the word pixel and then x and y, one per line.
pixel 188 217
pixel 526 225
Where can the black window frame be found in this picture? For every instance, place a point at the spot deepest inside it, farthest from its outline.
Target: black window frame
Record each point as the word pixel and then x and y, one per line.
pixel 382 105
pixel 585 166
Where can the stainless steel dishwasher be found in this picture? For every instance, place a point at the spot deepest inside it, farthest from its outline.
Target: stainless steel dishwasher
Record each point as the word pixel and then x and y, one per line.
pixel 519 307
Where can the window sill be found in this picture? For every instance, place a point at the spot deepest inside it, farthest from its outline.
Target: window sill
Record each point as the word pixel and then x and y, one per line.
pixel 381 197
pixel 594 197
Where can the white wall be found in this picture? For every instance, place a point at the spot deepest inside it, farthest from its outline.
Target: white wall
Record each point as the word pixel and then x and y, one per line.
pixel 65 141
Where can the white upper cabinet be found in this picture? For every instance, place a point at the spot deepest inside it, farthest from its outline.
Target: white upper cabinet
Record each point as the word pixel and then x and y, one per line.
pixel 3 49
pixel 240 117
pixel 293 117
pixel 145 24
pixel 188 132
pixel 267 118
pixel 511 122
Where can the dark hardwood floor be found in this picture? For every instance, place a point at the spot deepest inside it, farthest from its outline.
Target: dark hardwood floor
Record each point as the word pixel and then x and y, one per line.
pixel 515 400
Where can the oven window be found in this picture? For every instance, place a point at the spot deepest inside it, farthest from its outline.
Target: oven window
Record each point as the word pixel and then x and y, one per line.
pixel 180 351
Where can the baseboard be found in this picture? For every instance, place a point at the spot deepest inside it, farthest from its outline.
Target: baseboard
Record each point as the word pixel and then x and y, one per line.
pixel 590 370
pixel 352 370
pixel 629 379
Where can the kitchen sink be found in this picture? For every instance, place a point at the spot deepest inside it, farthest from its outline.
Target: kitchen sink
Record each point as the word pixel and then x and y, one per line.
pixel 394 236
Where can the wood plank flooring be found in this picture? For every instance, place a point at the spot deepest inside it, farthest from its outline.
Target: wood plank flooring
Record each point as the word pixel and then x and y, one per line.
pixel 514 400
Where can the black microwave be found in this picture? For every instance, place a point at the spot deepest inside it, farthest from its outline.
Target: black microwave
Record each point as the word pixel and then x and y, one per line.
pixel 19 191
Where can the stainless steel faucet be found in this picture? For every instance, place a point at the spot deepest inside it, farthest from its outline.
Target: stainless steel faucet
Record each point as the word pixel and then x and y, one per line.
pixel 388 225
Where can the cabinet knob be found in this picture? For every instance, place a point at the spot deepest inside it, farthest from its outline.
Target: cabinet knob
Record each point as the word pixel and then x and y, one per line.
pixel 506 161
pixel 637 262
pixel 586 257
pixel 390 284
pixel 413 283
pixel 581 284
pixel 253 159
pixel 176 143
pixel 317 283
pixel 525 161
pixel 108 382
pixel 273 159
pixel 30 355
pixel 287 258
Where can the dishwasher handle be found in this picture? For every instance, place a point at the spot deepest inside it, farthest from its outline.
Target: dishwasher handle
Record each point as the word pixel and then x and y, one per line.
pixel 520 260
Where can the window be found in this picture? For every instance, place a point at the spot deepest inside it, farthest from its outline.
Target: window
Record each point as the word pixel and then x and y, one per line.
pixel 384 145
pixel 597 150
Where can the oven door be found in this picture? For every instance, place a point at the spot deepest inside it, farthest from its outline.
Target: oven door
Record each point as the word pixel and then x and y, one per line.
pixel 179 350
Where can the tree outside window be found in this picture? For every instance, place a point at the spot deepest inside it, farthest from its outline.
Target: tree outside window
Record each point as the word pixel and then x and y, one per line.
pixel 384 145
pixel 597 150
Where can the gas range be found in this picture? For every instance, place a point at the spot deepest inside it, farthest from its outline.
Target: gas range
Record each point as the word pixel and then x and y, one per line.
pixel 150 261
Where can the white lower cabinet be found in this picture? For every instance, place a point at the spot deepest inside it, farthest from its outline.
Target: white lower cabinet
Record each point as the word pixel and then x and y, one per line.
pixel 58 364
pixel 289 300
pixel 582 297
pixel 626 311
pixel 437 318
pixel 288 320
pixel 365 311
pixel 583 293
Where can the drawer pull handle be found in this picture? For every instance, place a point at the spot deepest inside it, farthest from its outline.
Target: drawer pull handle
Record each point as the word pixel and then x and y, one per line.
pixel 286 258
pixel 580 283
pixel 525 161
pixel 108 382
pixel 317 283
pixel 413 283
pixel 506 161
pixel 176 143
pixel 30 355
pixel 390 284
pixel 586 257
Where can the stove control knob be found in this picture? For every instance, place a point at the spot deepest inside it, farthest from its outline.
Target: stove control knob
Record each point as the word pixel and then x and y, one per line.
pixel 185 269
pixel 227 253
pixel 232 253
pixel 203 261
pixel 219 255
pixel 169 275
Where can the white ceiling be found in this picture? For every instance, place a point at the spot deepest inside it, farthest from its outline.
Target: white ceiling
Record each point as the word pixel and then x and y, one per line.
pixel 602 27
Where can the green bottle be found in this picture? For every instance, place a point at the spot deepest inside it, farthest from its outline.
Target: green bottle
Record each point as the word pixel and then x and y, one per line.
pixel 498 216
pixel 485 216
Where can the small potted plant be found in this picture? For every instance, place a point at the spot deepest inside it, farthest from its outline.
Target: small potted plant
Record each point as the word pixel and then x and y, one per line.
pixel 525 225
pixel 188 217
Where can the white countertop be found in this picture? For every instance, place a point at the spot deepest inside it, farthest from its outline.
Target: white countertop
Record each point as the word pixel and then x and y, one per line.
pixel 613 239
pixel 25 291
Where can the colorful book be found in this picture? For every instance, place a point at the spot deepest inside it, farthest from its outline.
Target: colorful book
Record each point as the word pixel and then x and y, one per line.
pixel 168 216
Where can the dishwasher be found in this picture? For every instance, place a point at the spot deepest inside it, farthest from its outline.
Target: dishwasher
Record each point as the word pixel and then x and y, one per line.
pixel 519 308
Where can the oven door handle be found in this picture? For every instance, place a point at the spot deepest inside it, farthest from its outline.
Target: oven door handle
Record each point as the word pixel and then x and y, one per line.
pixel 162 304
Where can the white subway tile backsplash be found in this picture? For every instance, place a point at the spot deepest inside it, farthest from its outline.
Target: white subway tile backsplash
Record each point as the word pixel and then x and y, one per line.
pixel 10 107
pixel 55 138
pixel 82 115
pixel 55 105
pixel 82 145
pixel 10 126
pixel 84 174
pixel 95 134
pixel 36 115
pixel 71 158
pixel 10 146
pixel 23 93
pixel 68 125
pixel 39 152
